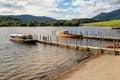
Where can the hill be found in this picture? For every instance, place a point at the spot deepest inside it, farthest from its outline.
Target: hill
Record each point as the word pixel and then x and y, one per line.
pixel 31 17
pixel 107 16
pixel 111 23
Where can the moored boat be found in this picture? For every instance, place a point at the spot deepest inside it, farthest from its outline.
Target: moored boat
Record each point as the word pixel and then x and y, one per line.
pixel 64 33
pixel 116 45
pixel 115 27
pixel 25 38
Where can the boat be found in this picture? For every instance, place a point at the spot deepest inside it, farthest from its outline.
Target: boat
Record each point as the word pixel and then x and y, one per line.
pixel 116 45
pixel 25 38
pixel 115 27
pixel 65 33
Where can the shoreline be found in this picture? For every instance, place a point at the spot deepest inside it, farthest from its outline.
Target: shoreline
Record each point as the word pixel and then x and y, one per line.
pixel 65 74
pixel 104 67
pixel 65 68
pixel 62 68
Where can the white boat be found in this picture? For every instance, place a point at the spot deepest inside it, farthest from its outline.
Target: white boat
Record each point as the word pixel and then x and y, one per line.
pixel 25 38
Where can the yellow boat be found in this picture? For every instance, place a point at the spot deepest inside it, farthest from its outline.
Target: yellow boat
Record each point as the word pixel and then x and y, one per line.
pixel 64 33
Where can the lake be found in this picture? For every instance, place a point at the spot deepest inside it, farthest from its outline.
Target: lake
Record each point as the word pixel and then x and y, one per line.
pixel 22 61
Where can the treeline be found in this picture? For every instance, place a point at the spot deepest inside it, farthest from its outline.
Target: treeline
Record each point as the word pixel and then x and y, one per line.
pixel 7 21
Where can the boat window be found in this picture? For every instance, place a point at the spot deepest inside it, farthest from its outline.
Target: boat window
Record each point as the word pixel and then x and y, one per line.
pixel 65 32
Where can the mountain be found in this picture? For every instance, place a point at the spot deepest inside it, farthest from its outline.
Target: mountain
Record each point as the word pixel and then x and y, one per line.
pixel 107 16
pixel 30 17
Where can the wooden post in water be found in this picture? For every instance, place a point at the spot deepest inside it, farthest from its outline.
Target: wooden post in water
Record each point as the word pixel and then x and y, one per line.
pixel 80 33
pixel 50 39
pixel 117 43
pixel 102 41
pixel 66 41
pixel 86 38
pixel 76 42
pixel 80 41
pixel 57 40
pixel 109 34
pixel 75 32
pixel 40 36
pixel 70 40
pixel 90 41
pixel 36 37
pixel 114 45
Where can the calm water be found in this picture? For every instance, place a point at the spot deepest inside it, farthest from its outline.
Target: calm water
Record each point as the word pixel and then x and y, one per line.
pixel 22 61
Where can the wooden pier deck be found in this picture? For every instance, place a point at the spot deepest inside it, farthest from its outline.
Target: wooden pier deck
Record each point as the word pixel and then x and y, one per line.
pixel 102 37
pixel 90 49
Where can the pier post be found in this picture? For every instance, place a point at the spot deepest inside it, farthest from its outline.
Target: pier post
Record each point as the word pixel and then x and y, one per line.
pixel 109 34
pixel 34 36
pixel 100 39
pixel 76 42
pixel 103 42
pixel 86 38
pixel 114 45
pixel 50 39
pixel 66 41
pixel 90 41
pixel 76 47
pixel 57 40
pixel 75 32
pixel 117 43
pixel 80 33
pixel 40 36
pixel 70 40
pixel 80 41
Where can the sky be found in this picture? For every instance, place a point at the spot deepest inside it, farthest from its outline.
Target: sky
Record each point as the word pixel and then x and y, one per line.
pixel 58 9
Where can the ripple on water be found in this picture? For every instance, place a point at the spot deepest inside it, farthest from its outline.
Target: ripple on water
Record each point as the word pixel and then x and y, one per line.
pixel 21 63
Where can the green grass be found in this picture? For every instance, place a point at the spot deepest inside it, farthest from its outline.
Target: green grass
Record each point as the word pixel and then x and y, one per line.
pixel 111 23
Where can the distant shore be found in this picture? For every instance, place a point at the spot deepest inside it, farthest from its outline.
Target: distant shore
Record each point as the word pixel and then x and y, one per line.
pixel 111 23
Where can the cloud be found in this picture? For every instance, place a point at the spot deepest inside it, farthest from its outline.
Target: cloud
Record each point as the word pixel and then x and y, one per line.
pixel 59 9
pixel 114 2
pixel 10 6
pixel 90 8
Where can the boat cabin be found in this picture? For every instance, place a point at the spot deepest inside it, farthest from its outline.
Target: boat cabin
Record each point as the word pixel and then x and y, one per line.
pixel 22 36
pixel 25 38
pixel 62 32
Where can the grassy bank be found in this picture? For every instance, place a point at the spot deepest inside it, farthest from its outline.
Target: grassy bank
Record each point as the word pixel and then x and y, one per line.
pixel 111 23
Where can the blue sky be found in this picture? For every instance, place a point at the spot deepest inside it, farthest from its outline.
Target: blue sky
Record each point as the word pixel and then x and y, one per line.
pixel 59 9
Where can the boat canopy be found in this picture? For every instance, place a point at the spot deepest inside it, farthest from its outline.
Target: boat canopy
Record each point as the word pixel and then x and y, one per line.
pixel 62 32
pixel 23 36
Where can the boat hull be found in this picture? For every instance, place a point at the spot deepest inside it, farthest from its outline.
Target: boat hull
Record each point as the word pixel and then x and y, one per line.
pixel 70 35
pixel 116 28
pixel 29 41
pixel 112 46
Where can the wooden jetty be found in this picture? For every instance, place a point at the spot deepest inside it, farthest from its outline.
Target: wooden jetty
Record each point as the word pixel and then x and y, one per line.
pixel 101 37
pixel 89 49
